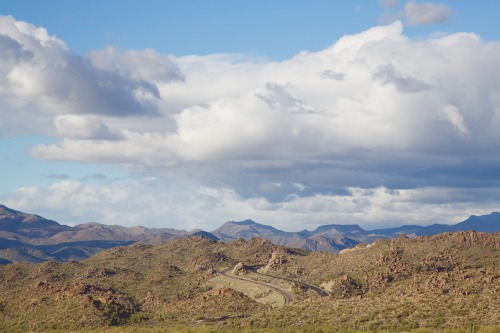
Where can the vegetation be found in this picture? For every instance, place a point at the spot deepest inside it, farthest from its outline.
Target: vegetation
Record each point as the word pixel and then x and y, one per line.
pixel 444 283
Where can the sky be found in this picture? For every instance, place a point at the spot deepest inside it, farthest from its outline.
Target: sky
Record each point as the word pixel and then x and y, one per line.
pixel 188 114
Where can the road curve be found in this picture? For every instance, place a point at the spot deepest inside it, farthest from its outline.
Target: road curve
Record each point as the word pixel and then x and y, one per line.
pixel 319 291
pixel 286 295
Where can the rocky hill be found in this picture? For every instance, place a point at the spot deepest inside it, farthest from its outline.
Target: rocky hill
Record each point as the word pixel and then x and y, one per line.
pixel 426 284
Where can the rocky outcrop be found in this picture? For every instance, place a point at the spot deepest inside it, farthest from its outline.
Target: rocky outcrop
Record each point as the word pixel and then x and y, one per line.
pixel 240 269
pixel 278 259
pixel 343 286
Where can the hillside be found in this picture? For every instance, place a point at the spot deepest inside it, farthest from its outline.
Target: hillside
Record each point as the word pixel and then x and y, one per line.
pixel 446 281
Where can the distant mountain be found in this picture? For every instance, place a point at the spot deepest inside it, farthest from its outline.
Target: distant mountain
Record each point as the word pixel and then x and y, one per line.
pixel 247 229
pixel 199 232
pixel 327 244
pixel 408 230
pixel 327 239
pixel 351 231
pixel 97 231
pixel 486 223
pixel 28 225
pixel 336 237
pixel 32 238
pixel 338 229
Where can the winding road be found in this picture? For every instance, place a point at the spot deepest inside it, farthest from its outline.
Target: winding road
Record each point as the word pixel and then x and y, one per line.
pixel 286 295
pixel 318 290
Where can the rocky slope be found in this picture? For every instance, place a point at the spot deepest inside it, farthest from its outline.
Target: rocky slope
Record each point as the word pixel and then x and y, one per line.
pixel 431 283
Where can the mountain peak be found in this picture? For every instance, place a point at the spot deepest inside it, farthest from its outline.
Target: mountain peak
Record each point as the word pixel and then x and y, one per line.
pixel 244 229
pixel 338 229
pixel 483 223
pixel 245 222
pixel 14 219
pixel 8 213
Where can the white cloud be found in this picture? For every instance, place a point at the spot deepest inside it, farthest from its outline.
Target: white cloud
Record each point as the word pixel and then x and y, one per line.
pixel 133 147
pixel 185 206
pixel 375 110
pixel 453 115
pixel 41 77
pixel 83 127
pixel 426 13
pixel 225 108
pixel 146 65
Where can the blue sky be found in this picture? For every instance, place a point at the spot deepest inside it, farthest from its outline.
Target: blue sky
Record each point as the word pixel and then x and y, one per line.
pixel 276 30
pixel 187 114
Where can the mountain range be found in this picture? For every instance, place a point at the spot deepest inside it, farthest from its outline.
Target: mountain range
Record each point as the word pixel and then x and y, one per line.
pixel 32 238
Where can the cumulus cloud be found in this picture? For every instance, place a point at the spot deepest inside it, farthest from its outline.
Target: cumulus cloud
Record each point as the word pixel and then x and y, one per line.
pixel 41 75
pixel 133 147
pixel 375 110
pixel 12 52
pixel 285 123
pixel 147 65
pixel 83 127
pixel 287 112
pixel 425 13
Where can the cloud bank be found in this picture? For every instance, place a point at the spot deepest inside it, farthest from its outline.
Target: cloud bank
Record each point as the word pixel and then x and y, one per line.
pixel 318 138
